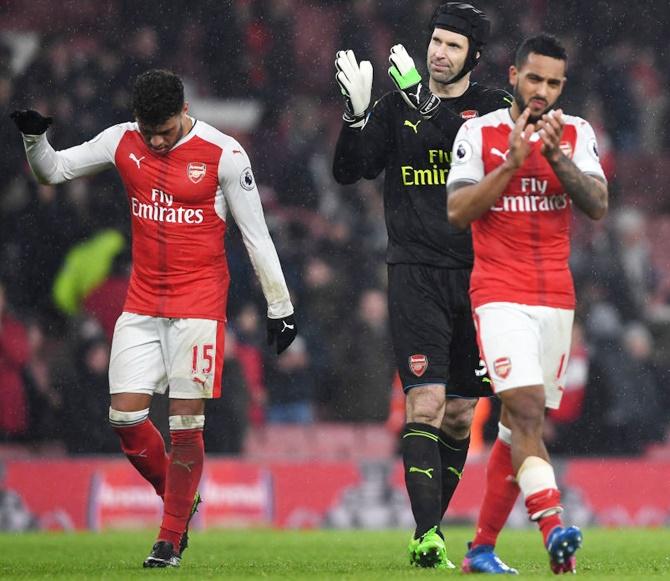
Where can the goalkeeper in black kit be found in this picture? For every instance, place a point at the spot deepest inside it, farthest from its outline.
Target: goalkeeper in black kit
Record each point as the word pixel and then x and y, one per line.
pixel 410 133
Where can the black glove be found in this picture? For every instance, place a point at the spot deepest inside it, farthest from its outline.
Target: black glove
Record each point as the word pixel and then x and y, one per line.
pixel 283 331
pixel 31 122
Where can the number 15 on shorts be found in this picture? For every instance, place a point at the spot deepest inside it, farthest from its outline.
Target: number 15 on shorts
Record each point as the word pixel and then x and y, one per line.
pixel 203 360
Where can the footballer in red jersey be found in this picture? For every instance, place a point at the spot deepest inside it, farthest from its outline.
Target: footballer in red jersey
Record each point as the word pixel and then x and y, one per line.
pixel 182 177
pixel 515 176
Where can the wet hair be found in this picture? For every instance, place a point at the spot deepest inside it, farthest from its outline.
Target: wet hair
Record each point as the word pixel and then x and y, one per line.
pixel 157 95
pixel 543 44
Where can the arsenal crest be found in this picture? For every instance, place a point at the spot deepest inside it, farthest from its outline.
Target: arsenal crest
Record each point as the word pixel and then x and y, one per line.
pixel 196 170
pixel 418 364
pixel 502 366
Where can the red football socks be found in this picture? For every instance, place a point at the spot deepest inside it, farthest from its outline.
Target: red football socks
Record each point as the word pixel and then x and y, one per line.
pixel 144 446
pixel 183 476
pixel 545 500
pixel 500 496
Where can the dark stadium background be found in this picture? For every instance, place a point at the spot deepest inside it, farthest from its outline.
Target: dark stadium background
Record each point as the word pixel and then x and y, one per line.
pixel 263 72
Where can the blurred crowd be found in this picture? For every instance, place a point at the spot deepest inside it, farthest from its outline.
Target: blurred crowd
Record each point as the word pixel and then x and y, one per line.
pixel 64 251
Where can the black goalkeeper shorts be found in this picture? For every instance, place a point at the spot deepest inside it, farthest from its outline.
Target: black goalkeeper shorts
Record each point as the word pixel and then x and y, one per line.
pixel 434 337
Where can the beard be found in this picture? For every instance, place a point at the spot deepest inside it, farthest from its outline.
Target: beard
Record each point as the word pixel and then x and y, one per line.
pixel 443 76
pixel 522 104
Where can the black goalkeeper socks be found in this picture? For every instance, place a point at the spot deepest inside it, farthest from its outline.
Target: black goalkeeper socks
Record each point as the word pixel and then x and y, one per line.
pixel 452 457
pixel 423 474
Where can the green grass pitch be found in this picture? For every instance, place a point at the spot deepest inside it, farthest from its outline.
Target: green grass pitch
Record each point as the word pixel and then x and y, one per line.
pixel 270 554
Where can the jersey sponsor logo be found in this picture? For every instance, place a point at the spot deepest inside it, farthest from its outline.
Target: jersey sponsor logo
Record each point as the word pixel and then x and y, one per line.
pixel 133 157
pixel 566 148
pixel 533 185
pixel 435 175
pixel 196 171
pixel 414 126
pixel 424 177
pixel 161 210
pixel 462 151
pixel 532 203
pixel 469 114
pixel 418 364
pixel 247 179
pixel 502 367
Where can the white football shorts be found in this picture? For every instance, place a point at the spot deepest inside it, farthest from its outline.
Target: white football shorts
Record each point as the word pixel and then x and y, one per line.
pixel 525 345
pixel 151 353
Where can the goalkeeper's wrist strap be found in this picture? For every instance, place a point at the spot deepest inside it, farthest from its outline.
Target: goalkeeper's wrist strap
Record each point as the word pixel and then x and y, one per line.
pixel 353 121
pixel 430 106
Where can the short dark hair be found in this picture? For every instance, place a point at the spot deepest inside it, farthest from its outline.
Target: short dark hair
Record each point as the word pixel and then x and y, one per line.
pixel 543 44
pixel 157 95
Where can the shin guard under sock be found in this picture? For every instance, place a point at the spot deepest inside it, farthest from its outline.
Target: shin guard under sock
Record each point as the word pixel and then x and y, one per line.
pixel 423 474
pixel 500 495
pixel 144 446
pixel 183 476
pixel 453 454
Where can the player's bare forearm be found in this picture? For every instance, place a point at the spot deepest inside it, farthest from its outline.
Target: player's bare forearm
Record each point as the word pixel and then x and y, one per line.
pixel 467 201
pixel 588 193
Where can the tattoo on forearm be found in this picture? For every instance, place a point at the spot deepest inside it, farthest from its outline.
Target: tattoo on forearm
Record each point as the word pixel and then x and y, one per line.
pixel 587 193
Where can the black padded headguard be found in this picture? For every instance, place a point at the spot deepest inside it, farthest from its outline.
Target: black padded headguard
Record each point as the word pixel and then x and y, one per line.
pixel 467 20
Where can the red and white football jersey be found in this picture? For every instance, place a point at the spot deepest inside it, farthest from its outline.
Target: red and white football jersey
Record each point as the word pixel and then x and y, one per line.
pixel 522 244
pixel 178 204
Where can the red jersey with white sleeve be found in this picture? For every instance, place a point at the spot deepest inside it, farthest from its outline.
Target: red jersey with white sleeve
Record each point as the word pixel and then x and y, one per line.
pixel 522 244
pixel 178 203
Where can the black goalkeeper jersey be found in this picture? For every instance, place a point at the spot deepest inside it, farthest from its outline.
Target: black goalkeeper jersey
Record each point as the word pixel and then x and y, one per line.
pixel 416 155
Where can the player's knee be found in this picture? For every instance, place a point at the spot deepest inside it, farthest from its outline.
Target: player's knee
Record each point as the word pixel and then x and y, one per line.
pixel 458 417
pixel 425 405
pixel 186 407
pixel 119 419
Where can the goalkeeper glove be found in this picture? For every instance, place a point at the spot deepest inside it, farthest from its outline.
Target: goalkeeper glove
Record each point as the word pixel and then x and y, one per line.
pixel 31 122
pixel 355 83
pixel 408 80
pixel 283 331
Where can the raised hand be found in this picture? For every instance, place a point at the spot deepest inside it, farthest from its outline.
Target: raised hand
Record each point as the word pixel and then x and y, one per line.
pixel 519 140
pixel 355 81
pixel 407 79
pixel 550 128
pixel 31 122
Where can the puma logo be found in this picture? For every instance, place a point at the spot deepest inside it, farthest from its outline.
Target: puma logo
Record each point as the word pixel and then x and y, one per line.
pixel 237 151
pixel 287 326
pixel 142 454
pixel 428 472
pixel 453 470
pixel 199 380
pixel 418 90
pixel 496 151
pixel 137 161
pixel 414 126
pixel 186 465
